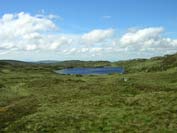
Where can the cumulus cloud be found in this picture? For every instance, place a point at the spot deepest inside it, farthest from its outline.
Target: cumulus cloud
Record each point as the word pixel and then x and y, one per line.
pixel 148 40
pixel 97 35
pixel 141 35
pixel 25 32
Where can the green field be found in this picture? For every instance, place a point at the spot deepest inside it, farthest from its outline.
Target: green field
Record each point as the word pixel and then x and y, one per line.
pixel 35 99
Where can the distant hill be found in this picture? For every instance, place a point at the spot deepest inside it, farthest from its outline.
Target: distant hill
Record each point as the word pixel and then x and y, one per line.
pixel 135 65
pixel 4 63
pixel 47 62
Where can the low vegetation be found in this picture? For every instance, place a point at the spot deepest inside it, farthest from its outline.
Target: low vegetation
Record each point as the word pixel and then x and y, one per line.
pixel 35 99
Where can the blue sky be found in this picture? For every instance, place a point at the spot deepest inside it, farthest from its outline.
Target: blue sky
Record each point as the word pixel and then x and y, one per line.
pixel 114 29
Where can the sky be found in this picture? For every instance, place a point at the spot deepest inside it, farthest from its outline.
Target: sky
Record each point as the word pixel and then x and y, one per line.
pixel 87 29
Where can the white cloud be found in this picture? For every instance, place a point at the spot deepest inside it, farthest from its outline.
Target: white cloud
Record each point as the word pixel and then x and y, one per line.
pixel 20 30
pixel 141 35
pixel 147 40
pixel 59 41
pixel 30 47
pixel 23 32
pixel 146 37
pixel 97 35
pixel 23 23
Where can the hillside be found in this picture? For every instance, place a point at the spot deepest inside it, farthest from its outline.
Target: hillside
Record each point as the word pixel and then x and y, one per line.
pixel 35 99
pixel 149 65
pixel 131 66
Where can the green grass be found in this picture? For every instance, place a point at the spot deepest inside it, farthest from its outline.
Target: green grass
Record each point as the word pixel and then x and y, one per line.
pixel 148 65
pixel 35 99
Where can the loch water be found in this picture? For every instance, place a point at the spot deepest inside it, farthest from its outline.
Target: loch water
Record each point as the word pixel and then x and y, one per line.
pixel 97 71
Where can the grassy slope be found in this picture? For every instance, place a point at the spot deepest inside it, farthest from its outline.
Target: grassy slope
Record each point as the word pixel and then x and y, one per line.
pixel 149 65
pixel 34 99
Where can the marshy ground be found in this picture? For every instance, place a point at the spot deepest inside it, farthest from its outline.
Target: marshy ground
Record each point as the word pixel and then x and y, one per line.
pixel 35 99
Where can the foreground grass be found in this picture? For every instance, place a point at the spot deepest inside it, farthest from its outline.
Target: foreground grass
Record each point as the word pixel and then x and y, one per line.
pixel 42 101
